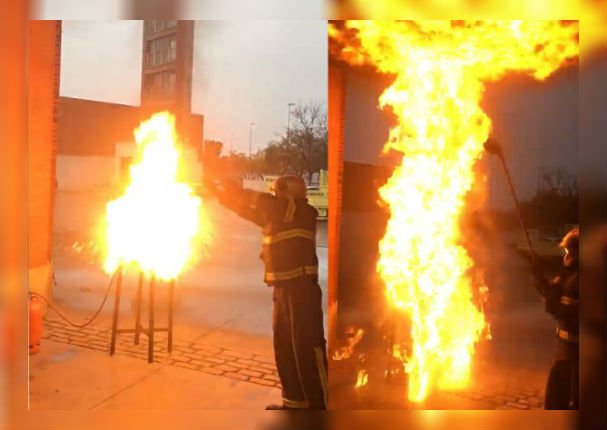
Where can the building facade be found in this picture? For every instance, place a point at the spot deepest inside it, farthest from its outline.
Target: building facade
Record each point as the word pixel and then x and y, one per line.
pixel 166 69
pixel 95 139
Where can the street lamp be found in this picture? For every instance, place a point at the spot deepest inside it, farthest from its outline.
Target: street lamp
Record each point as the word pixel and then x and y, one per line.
pixel 231 138
pixel 250 136
pixel 289 122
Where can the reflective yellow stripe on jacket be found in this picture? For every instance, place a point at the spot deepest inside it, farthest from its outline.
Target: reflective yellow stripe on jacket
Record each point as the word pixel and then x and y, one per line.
pixel 291 274
pixel 289 234
pixel 290 211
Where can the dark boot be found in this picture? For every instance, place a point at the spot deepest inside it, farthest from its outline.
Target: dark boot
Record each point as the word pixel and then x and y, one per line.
pixel 274 407
pixel 558 386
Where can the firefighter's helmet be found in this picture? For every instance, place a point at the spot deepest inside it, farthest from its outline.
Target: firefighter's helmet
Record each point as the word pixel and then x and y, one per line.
pixel 289 186
pixel 571 245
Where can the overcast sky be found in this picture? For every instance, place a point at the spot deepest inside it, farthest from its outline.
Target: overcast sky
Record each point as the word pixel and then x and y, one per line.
pixel 244 71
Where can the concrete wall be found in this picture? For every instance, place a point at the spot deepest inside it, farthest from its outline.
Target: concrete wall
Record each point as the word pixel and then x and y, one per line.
pixel 76 173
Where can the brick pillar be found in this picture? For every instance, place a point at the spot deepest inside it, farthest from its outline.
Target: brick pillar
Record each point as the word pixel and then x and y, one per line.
pixel 336 167
pixel 44 65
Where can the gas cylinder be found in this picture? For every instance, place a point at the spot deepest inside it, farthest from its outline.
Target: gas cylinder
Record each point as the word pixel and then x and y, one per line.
pixel 35 332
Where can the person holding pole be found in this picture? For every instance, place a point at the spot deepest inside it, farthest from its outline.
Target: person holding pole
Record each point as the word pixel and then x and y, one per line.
pixel 561 298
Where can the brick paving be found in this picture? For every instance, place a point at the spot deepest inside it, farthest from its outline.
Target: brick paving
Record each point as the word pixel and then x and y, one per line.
pixel 503 395
pixel 491 388
pixel 507 388
pixel 201 357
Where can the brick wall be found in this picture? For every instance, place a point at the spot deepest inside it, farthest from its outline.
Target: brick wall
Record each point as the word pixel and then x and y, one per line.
pixel 44 55
pixel 336 164
pixel 92 128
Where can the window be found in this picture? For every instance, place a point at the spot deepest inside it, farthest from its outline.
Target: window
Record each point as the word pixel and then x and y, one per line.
pixel 149 54
pixel 156 25
pixel 161 51
pixel 168 82
pixel 172 80
pixel 161 84
pixel 172 51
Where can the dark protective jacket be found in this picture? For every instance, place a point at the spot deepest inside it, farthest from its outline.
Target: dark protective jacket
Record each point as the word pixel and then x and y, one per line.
pixel 289 232
pixel 561 297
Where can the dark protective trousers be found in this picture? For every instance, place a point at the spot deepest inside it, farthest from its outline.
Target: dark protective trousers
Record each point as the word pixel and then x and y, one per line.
pixel 299 343
pixel 562 386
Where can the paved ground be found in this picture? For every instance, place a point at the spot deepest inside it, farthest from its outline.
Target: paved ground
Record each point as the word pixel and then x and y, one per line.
pixel 222 355
pixel 74 371
pixel 491 387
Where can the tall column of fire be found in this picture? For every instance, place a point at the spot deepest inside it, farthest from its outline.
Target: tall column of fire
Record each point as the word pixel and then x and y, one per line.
pixel 439 69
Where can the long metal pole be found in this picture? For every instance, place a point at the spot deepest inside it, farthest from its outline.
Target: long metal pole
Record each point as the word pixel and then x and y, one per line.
pixel 170 329
pixel 518 208
pixel 138 309
pixel 492 146
pixel 250 136
pixel 116 311
pixel 289 123
pixel 151 322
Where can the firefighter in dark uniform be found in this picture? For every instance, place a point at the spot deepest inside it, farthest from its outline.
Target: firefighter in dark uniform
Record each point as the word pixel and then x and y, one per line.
pixel 291 268
pixel 561 296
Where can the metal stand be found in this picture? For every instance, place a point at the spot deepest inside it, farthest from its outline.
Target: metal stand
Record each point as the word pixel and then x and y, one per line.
pixel 392 365
pixel 151 329
pixel 394 369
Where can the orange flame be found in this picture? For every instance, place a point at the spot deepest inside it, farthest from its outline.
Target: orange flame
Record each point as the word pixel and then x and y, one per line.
pixel 440 68
pixel 361 379
pixel 346 351
pixel 158 223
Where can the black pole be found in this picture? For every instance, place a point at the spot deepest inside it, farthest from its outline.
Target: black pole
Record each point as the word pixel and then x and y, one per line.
pixel 170 330
pixel 151 322
pixel 391 341
pixel 116 311
pixel 251 137
pixel 138 309
pixel 518 209
pixel 492 146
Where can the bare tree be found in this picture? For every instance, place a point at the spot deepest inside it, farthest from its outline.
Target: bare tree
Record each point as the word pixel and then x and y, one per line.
pixel 558 182
pixel 305 147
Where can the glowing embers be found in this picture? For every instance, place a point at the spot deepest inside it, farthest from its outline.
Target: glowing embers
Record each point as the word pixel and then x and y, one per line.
pixel 346 351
